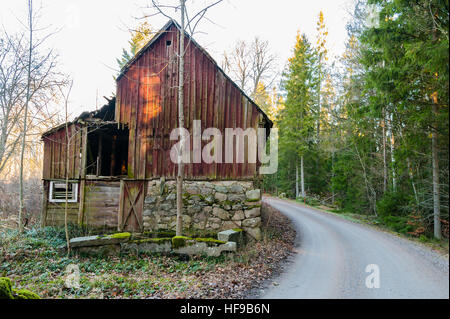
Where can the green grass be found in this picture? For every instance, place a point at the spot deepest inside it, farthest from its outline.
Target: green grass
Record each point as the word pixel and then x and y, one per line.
pixel 32 261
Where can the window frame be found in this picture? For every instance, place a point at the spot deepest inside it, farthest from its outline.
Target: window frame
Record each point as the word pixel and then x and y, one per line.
pixel 69 200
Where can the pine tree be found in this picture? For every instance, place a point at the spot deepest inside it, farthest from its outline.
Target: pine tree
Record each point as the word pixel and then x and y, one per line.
pixel 296 119
pixel 139 38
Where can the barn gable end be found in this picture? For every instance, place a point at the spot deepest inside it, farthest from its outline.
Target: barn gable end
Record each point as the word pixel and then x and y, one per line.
pixel 147 102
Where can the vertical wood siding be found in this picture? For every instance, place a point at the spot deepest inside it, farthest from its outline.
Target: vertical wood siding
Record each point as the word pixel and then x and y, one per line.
pixel 147 103
pixel 55 153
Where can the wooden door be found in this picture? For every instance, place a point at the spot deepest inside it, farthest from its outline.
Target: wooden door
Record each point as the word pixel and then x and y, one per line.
pixel 132 194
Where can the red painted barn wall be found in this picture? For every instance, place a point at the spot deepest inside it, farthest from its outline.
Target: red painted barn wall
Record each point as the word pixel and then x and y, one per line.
pixel 147 103
pixel 55 153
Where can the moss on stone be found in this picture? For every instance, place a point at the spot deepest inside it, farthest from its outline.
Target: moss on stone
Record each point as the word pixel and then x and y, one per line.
pixel 120 235
pixel 164 233
pixel 238 229
pixel 179 241
pixel 226 203
pixel 7 292
pixel 152 240
pixel 201 197
pixel 253 200
pixel 160 233
pixel 24 294
pixel 5 288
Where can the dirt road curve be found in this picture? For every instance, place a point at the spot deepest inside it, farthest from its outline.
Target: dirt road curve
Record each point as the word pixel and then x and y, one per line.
pixel 333 254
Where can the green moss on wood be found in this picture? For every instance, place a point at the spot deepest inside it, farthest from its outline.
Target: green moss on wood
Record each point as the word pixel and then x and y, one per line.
pixel 130 173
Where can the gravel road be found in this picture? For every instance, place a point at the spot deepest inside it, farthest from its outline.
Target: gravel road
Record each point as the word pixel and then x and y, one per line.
pixel 333 253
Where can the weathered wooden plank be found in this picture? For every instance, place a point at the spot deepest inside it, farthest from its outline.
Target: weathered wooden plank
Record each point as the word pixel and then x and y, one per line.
pixel 45 189
pixel 81 202
pixel 121 206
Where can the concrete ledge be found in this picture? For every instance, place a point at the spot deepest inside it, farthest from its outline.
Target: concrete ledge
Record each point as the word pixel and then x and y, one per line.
pixel 201 248
pixel 123 243
pixel 90 241
pixel 232 235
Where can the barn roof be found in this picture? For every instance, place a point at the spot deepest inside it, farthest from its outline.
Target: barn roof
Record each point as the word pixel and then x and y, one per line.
pixel 100 115
pixel 164 29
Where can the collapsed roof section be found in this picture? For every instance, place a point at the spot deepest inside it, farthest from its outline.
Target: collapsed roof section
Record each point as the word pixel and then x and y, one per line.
pixel 104 115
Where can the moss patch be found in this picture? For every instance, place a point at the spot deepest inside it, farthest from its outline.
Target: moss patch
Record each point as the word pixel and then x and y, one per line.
pixel 5 288
pixel 179 241
pixel 120 235
pixel 238 229
pixel 24 294
pixel 7 292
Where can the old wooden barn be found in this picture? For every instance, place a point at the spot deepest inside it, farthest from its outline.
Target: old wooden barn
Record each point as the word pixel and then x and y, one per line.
pixel 118 162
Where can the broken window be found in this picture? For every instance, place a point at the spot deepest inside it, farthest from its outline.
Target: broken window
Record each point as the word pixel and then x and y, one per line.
pixel 58 191
pixel 107 151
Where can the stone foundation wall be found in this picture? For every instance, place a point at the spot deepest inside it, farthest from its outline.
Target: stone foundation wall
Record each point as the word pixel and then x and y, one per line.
pixel 208 206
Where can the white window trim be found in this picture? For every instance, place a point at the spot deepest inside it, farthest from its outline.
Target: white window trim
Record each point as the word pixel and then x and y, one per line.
pixel 50 193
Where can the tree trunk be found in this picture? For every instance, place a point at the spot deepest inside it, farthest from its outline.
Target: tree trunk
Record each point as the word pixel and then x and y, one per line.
pixel 385 173
pixel 296 181
pixel 411 178
pixel 66 171
pixel 332 177
pixel 436 190
pixel 435 159
pixel 180 124
pixel 24 133
pixel 391 131
pixel 302 177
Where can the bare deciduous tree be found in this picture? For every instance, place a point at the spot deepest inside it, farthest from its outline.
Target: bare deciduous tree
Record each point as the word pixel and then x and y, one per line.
pixel 188 22
pixel 250 64
pixel 237 63
pixel 28 82
pixel 263 64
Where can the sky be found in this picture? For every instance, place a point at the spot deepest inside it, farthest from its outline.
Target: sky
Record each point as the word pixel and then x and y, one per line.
pixel 92 33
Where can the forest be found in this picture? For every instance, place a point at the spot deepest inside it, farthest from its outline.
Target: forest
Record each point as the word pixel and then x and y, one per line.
pixel 368 134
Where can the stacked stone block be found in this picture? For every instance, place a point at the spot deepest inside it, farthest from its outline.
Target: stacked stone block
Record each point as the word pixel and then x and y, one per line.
pixel 208 206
